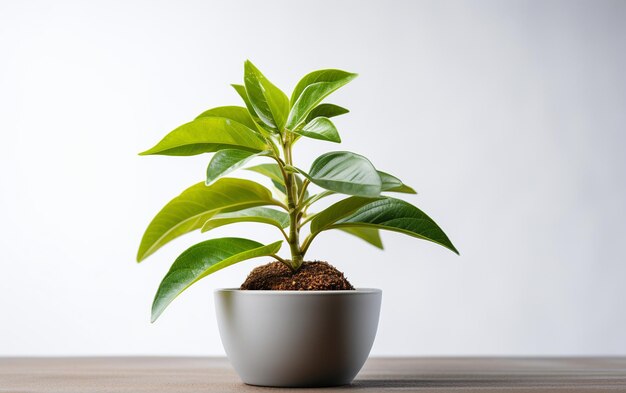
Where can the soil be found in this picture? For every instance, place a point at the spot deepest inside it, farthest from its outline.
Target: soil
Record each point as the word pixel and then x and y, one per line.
pixel 311 276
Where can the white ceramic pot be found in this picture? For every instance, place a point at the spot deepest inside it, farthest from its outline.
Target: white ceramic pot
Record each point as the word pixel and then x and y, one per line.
pixel 297 338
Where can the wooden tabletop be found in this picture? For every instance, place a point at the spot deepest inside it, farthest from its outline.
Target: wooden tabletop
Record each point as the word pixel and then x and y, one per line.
pixel 206 375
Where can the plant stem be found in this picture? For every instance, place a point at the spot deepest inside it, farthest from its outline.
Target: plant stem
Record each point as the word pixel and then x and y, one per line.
pixel 291 186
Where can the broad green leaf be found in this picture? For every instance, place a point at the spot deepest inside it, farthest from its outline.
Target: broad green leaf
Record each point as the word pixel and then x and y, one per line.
pixel 203 259
pixel 345 172
pixel 327 217
pixel 311 90
pixel 320 128
pixel 226 161
pixel 383 213
pixel 370 235
pixel 194 206
pixel 326 110
pixel 393 184
pixel 268 101
pixel 236 113
pixel 208 134
pixel 263 215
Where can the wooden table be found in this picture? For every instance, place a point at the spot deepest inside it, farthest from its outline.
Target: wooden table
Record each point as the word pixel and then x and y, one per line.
pixel 183 375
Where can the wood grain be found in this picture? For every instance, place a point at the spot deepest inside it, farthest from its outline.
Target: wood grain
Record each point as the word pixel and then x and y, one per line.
pixel 186 375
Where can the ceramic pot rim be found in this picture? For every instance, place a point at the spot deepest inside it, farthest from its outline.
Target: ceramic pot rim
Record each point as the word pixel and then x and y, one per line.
pixel 246 292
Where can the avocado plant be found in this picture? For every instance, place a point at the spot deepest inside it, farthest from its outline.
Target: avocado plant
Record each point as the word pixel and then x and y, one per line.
pixel 268 127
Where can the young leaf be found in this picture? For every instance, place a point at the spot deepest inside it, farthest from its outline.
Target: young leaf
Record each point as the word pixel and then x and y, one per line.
pixel 326 110
pixel 393 184
pixel 268 101
pixel 194 206
pixel 205 135
pixel 203 259
pixel 345 172
pixel 383 213
pixel 236 113
pixel 370 235
pixel 226 161
pixel 320 76
pixel 311 90
pixel 273 172
pixel 241 90
pixel 299 185
pixel 320 128
pixel 269 170
pixel 263 215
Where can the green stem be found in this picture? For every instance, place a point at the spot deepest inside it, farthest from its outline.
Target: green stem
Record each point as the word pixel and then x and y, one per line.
pixel 291 186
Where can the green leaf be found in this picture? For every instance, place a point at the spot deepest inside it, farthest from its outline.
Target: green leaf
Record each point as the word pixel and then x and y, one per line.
pixel 241 90
pixel 370 235
pixel 320 128
pixel 226 161
pixel 383 213
pixel 236 113
pixel 273 172
pixel 326 110
pixel 345 172
pixel 194 206
pixel 268 101
pixel 269 170
pixel 203 259
pixel 260 126
pixel 280 187
pixel 263 215
pixel 205 135
pixel 320 76
pixel 311 90
pixel 393 184
pixel 324 219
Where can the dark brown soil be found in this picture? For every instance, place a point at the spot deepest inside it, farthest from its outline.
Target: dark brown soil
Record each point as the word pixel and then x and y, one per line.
pixel 311 276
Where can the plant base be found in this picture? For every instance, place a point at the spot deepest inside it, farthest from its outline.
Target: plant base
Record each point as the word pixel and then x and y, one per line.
pixel 311 276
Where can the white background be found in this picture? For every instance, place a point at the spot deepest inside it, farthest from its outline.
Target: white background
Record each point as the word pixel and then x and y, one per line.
pixel 507 117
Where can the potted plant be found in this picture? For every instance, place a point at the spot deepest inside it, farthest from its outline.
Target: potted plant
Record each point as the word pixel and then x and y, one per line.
pixel 292 323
